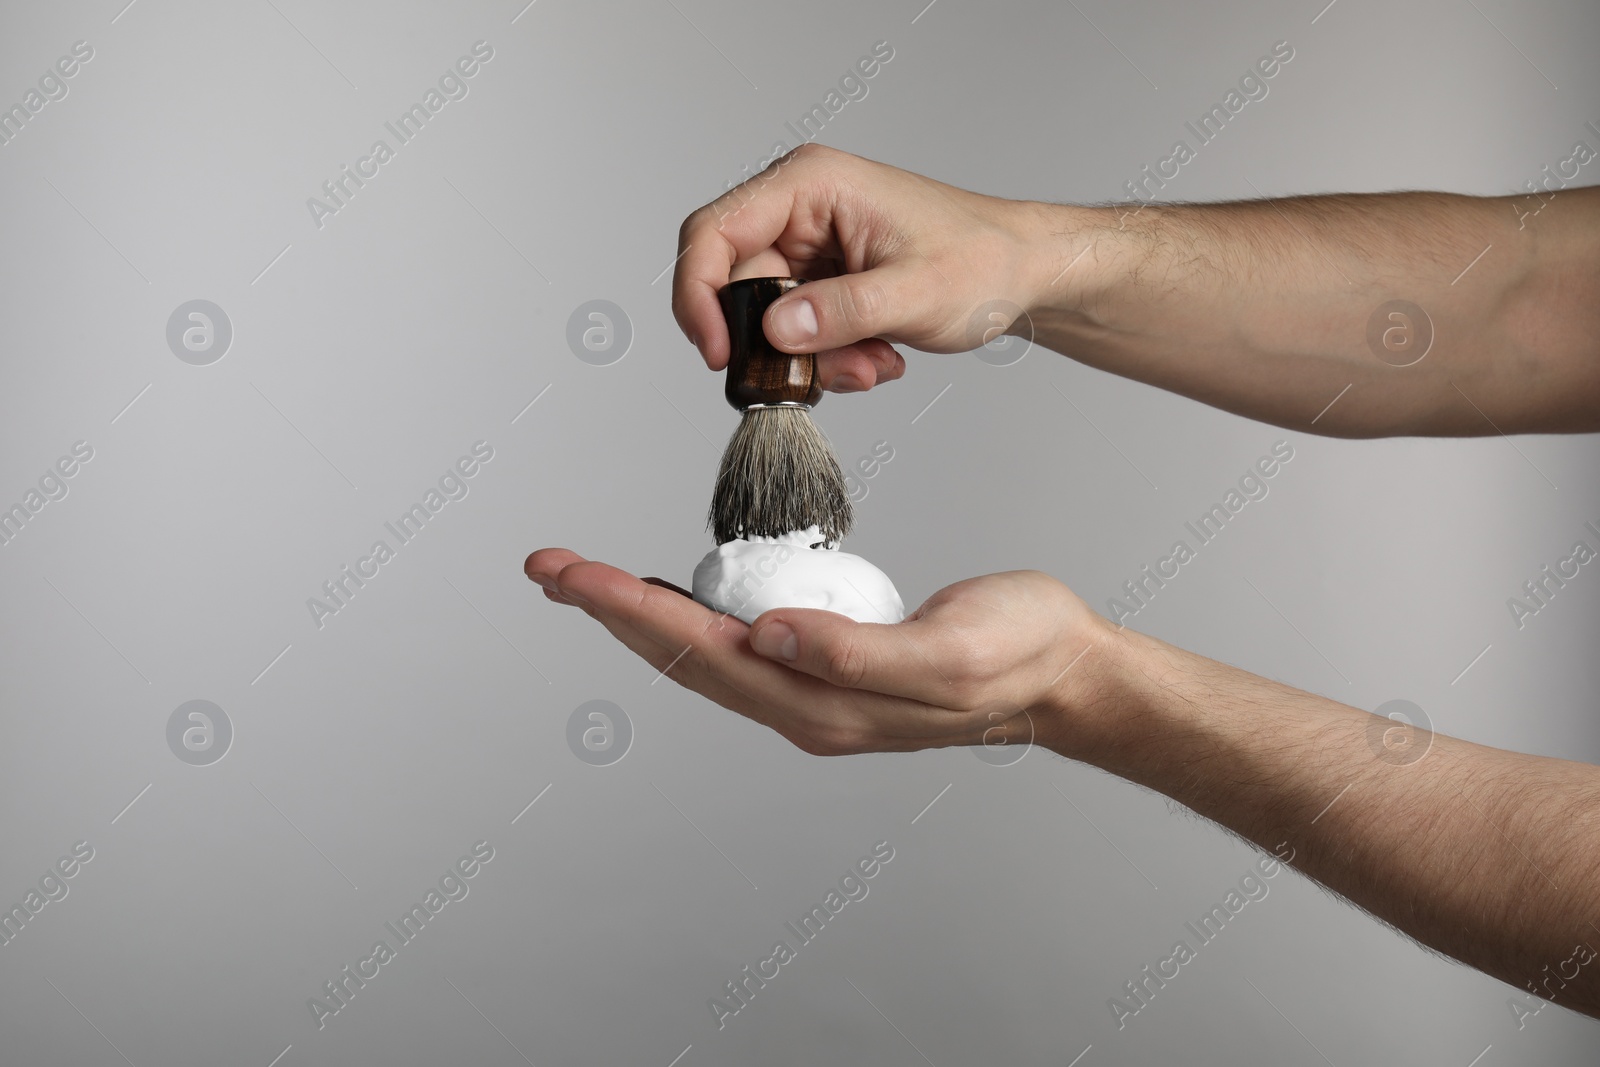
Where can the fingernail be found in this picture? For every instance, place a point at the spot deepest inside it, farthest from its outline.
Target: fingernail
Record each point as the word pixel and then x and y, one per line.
pixel 574 597
pixel 794 323
pixel 547 583
pixel 848 383
pixel 776 641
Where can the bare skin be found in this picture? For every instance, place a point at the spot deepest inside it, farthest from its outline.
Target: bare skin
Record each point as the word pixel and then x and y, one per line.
pixel 1492 857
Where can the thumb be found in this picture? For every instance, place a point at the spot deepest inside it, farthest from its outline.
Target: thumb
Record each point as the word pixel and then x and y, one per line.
pixel 836 312
pixel 900 659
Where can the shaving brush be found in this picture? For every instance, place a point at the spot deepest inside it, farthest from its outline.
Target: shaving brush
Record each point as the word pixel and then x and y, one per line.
pixel 779 473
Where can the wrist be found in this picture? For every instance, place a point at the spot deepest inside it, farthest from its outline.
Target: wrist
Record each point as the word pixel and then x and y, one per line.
pixel 1069 253
pixel 1101 699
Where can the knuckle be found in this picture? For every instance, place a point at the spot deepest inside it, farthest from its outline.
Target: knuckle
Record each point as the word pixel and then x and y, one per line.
pixel 695 220
pixel 810 150
pixel 862 299
pixel 681 307
pixel 685 669
pixel 845 663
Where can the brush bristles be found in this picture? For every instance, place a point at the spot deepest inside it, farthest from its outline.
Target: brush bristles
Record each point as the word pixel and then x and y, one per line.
pixel 779 475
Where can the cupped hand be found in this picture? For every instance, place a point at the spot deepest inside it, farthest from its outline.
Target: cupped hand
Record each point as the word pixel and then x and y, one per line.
pixel 889 256
pixel 988 660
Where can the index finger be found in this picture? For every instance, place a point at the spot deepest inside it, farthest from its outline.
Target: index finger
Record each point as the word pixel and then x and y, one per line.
pixel 736 226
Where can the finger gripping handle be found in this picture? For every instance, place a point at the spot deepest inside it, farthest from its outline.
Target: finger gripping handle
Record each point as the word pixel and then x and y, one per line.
pixel 757 372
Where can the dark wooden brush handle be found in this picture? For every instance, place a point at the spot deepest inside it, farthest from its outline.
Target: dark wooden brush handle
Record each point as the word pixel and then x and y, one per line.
pixel 757 372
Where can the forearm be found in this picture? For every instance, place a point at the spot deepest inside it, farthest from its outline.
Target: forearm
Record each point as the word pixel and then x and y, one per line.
pixel 1263 307
pixel 1492 857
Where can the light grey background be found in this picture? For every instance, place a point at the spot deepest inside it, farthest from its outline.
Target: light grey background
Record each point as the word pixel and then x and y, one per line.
pixel 368 355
